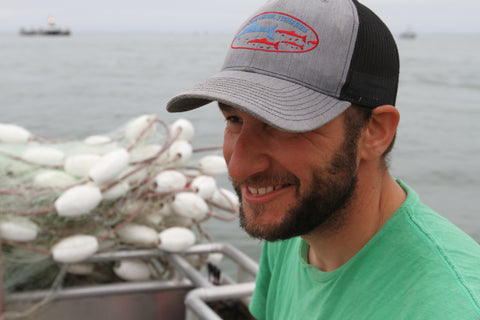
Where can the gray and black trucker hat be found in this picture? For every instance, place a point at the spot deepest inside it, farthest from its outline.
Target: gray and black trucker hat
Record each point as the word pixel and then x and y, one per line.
pixel 297 64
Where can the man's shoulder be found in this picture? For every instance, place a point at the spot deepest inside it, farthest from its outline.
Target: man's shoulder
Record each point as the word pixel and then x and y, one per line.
pixel 424 226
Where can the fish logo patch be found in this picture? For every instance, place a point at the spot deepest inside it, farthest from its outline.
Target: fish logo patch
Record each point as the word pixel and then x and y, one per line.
pixel 276 32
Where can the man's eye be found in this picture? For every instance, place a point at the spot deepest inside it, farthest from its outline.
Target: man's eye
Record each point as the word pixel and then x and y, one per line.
pixel 233 119
pixel 233 124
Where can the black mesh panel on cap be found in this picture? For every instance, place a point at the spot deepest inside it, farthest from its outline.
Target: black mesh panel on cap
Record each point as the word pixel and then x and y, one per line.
pixel 374 69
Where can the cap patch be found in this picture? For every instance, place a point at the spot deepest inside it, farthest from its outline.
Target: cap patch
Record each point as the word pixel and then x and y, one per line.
pixel 276 32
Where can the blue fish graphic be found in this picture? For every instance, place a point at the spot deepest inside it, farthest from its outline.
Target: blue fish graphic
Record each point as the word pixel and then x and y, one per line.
pixel 256 28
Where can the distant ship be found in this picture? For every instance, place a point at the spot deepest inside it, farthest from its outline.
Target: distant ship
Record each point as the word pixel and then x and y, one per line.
pixel 408 34
pixel 51 30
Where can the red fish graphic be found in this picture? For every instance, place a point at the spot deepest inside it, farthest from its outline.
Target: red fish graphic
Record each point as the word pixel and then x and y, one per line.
pixel 293 44
pixel 276 32
pixel 292 33
pixel 265 41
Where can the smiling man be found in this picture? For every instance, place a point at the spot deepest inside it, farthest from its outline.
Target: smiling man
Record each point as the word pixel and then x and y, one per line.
pixel 308 90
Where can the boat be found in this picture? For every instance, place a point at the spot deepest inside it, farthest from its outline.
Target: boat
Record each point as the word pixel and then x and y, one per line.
pixel 408 34
pixel 51 30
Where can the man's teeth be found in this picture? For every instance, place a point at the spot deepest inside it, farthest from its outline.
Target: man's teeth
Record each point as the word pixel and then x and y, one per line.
pixel 263 190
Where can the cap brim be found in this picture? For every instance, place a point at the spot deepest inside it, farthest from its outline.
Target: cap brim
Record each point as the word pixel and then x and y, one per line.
pixel 280 103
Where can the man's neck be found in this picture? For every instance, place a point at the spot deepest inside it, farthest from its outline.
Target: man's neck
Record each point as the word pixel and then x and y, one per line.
pixel 374 202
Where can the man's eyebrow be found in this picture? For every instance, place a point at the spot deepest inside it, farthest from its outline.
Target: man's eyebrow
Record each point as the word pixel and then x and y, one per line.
pixel 225 108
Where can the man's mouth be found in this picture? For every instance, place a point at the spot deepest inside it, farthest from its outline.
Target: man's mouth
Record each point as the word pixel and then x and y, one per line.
pixel 265 190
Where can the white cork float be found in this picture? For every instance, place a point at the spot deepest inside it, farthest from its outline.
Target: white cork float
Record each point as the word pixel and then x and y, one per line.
pixel 19 229
pixel 74 249
pixel 78 200
pixel 204 186
pixel 109 166
pixel 79 164
pixel 190 205
pixel 182 129
pixel 139 234
pixel 170 180
pixel 132 270
pixel 176 239
pixel 12 133
pixel 213 165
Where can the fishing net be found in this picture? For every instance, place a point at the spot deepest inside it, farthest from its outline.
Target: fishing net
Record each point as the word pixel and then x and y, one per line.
pixel 141 186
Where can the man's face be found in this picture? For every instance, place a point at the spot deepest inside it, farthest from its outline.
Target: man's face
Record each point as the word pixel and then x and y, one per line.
pixel 289 183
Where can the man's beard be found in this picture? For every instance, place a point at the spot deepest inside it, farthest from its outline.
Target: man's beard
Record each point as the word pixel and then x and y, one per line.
pixel 322 208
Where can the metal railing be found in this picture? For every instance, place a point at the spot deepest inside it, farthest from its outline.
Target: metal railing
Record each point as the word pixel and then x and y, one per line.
pixel 196 300
pixel 189 284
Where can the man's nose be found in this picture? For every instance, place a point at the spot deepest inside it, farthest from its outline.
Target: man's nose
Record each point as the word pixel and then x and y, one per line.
pixel 248 153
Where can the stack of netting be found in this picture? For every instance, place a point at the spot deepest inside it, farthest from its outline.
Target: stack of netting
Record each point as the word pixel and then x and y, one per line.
pixel 143 186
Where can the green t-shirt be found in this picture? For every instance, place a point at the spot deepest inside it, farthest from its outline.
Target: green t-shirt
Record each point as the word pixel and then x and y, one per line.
pixel 418 266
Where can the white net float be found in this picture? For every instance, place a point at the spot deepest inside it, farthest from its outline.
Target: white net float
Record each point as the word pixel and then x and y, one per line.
pixel 138 234
pixel 19 229
pixel 190 205
pixel 74 249
pixel 79 164
pixel 170 180
pixel 182 129
pixel 47 156
pixel 132 270
pixel 140 128
pixel 97 140
pixel 116 191
pixel 176 239
pixel 213 165
pixel 180 151
pixel 11 133
pixel 204 186
pixel 109 166
pixel 53 178
pixel 78 201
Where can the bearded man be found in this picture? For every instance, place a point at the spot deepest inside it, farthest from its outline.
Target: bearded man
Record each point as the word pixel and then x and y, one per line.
pixel 308 90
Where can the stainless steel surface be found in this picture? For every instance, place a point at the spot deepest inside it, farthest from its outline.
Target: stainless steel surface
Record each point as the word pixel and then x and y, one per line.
pixel 186 294
pixel 168 305
pixel 100 290
pixel 197 298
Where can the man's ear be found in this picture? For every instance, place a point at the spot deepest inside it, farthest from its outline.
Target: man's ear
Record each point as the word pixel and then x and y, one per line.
pixel 379 132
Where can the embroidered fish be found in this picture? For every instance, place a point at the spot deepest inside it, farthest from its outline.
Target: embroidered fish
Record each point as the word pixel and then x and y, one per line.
pixel 265 41
pixel 293 44
pixel 292 33
pixel 256 28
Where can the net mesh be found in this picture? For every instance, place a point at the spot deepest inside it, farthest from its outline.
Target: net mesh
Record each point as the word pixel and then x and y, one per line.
pixel 35 173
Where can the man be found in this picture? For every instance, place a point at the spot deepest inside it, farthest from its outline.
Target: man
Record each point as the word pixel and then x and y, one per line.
pixel 308 90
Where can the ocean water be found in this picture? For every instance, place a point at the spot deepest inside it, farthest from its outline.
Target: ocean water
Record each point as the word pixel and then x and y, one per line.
pixel 73 87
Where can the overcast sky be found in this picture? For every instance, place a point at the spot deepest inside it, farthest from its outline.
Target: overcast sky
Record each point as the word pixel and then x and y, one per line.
pixel 423 16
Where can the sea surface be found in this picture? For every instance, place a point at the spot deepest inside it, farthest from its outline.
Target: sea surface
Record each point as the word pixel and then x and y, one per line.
pixel 73 87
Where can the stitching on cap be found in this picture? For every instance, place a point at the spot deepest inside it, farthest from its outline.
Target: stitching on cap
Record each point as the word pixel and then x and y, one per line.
pixel 280 76
pixel 219 86
pixel 284 95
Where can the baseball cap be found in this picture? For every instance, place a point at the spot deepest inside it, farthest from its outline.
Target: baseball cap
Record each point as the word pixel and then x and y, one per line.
pixel 297 64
